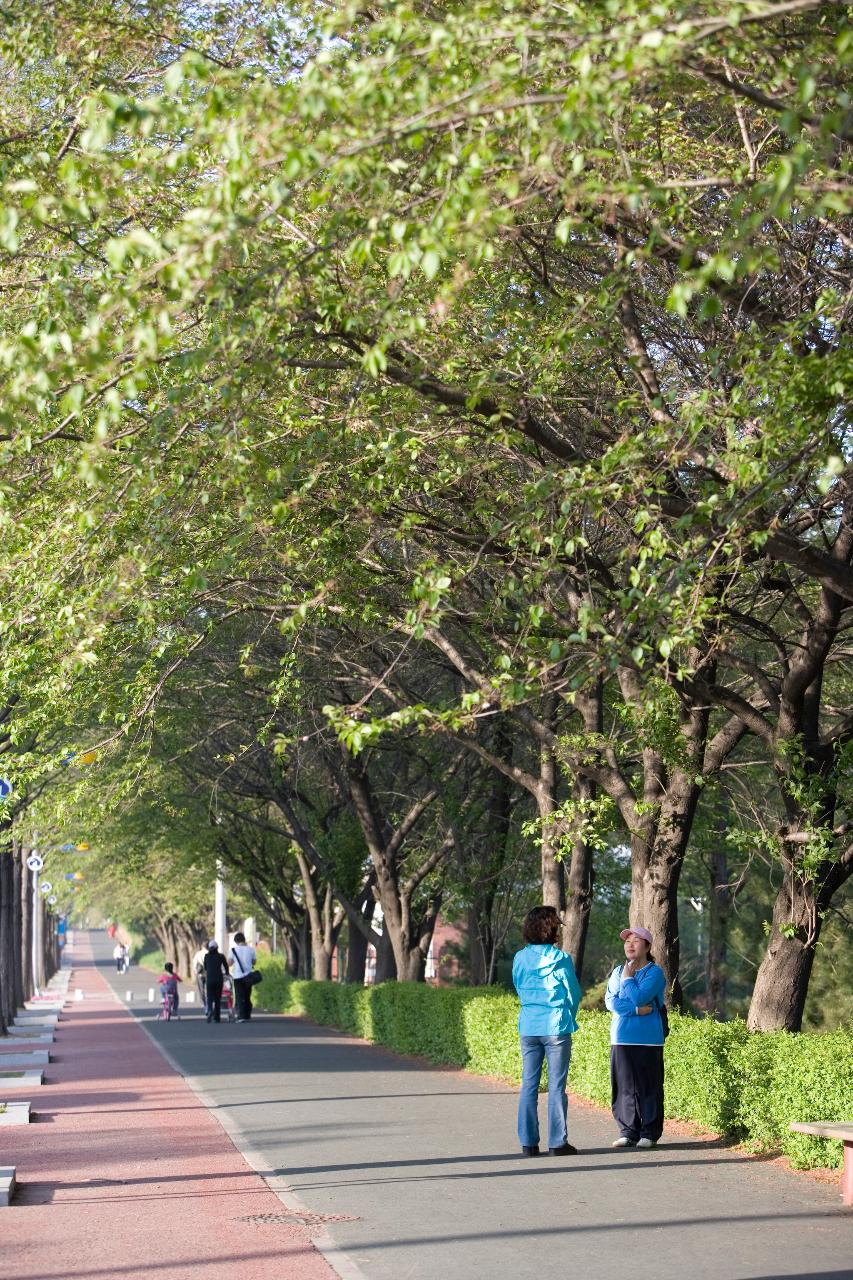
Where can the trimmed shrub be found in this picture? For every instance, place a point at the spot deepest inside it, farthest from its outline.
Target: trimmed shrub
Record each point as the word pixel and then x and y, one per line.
pixel 589 1072
pixel 785 1077
pixel 703 1061
pixel 718 1074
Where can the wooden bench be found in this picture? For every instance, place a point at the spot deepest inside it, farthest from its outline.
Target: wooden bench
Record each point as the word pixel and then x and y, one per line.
pixel 843 1133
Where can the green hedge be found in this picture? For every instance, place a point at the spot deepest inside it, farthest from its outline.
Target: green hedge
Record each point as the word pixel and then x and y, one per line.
pixel 719 1075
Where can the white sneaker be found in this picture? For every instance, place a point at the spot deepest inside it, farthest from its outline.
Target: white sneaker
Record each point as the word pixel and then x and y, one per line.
pixel 622 1142
pixel 645 1143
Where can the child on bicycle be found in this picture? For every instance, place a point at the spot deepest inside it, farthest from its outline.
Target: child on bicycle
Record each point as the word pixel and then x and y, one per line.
pixel 169 984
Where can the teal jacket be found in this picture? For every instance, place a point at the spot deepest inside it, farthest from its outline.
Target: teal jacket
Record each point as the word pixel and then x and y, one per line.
pixel 550 993
pixel 625 995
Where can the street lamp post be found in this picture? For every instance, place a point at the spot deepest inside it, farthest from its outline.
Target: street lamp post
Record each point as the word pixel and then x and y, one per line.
pixel 220 928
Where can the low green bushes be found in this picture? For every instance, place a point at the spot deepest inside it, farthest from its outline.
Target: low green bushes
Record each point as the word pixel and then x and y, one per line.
pixel 719 1075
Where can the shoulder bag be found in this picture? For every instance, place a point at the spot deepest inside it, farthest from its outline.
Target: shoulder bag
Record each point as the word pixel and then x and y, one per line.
pixel 253 977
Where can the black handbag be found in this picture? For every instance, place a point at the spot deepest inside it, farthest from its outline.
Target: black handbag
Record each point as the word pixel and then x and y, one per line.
pixel 252 978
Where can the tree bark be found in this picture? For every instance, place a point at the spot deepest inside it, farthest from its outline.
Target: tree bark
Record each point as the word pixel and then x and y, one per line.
pixel 41 908
pixel 27 925
pixel 579 899
pixel 782 982
pixel 480 940
pixel 360 931
pixel 720 899
pixel 386 962
pixel 356 956
pixel 7 941
pixel 553 874
pixel 781 985
pixel 18 925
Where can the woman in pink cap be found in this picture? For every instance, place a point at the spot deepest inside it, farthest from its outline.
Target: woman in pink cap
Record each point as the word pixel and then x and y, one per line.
pixel 635 998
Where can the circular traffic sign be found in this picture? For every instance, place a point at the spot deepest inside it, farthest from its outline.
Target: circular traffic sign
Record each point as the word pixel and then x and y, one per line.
pixel 52 900
pixel 34 862
pixel 45 886
pixel 5 789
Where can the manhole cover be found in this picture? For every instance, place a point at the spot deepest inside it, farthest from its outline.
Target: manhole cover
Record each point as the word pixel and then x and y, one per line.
pixel 299 1219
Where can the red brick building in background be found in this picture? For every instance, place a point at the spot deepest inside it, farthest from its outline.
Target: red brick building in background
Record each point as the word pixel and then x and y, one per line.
pixel 444 959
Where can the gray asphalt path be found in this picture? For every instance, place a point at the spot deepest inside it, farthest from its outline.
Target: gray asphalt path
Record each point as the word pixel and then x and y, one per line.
pixel 422 1165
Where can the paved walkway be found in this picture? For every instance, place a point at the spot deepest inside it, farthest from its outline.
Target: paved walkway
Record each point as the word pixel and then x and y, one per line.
pixel 421 1166
pixel 125 1175
pixel 128 1172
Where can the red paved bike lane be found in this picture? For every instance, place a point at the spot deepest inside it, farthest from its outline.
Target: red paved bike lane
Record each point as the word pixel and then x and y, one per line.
pixel 126 1176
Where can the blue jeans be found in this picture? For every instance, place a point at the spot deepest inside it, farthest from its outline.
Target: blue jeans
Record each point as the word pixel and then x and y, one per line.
pixel 558 1052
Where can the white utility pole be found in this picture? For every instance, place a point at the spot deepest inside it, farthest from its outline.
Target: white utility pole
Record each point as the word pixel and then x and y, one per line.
pixel 220 928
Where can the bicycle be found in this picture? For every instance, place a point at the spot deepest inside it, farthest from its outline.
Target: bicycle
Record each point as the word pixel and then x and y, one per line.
pixel 169 1007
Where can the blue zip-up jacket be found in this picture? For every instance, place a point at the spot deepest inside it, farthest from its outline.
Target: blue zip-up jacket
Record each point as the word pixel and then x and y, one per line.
pixel 550 993
pixel 625 995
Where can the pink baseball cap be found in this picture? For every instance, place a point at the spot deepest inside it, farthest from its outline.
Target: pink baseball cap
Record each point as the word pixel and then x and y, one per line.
pixel 638 933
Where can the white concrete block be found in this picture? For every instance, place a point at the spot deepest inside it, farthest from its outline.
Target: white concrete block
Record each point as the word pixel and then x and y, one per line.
pixel 7 1185
pixel 15 1113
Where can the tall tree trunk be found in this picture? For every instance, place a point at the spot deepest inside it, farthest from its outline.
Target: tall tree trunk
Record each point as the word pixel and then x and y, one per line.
pixel 324 923
pixel 26 925
pixel 161 933
pixel 187 944
pixel 305 956
pixel 580 884
pixel 386 962
pixel 413 968
pixel 720 899
pixel 360 929
pixel 553 874
pixel 7 941
pixel 488 873
pixel 578 904
pixel 782 983
pixel 291 951
pixel 581 868
pixel 660 915
pixel 356 956
pixel 18 925
pixel 41 908
pixel 779 994
pixel 480 938
pixel 656 872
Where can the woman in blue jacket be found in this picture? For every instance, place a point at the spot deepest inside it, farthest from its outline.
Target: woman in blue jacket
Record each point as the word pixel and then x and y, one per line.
pixel 544 978
pixel 635 997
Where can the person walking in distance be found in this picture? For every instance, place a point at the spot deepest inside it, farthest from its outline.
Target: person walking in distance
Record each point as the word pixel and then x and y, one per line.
pixel 215 971
pixel 242 964
pixel 198 971
pixel 634 996
pixel 550 994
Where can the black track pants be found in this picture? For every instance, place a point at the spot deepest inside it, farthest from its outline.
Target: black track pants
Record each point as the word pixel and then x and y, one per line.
pixel 636 1090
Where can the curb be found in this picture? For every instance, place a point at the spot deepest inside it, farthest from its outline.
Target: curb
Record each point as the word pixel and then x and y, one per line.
pixel 27 1079
pixel 15 1113
pixel 7 1185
